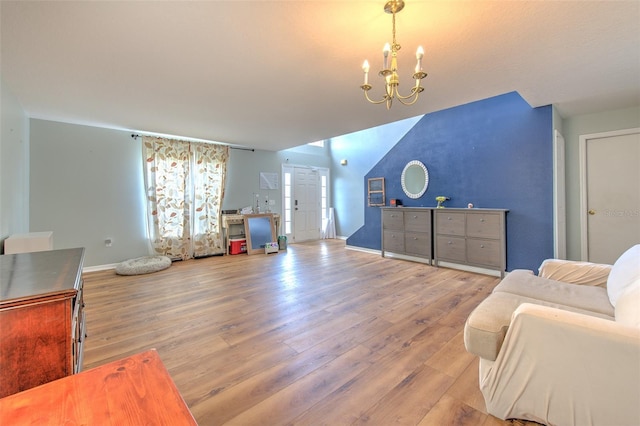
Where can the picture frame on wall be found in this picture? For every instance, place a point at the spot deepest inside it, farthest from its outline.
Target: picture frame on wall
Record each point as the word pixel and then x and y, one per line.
pixel 375 192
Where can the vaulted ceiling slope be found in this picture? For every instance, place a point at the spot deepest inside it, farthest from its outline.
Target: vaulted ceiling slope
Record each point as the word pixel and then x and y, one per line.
pixel 277 74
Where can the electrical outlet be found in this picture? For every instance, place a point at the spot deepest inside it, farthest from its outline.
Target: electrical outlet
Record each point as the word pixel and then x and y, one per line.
pixel 272 202
pixel 108 242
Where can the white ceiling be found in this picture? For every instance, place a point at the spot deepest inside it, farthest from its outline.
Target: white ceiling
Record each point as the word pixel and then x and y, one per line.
pixel 276 74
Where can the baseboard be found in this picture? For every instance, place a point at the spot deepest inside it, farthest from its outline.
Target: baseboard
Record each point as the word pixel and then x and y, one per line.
pixel 468 268
pixel 392 255
pixel 99 268
pixel 363 249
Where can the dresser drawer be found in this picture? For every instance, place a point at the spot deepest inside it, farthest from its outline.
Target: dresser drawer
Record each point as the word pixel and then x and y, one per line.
pixel 418 243
pixel 417 221
pixel 451 248
pixel 450 223
pixel 393 241
pixel 483 225
pixel 392 219
pixel 484 252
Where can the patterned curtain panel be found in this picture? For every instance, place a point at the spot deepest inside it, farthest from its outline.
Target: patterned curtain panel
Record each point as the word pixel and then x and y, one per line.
pixel 209 169
pixel 184 186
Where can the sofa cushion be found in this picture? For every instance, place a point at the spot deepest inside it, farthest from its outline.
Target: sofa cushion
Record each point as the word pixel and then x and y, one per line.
pixel 571 271
pixel 588 298
pixel 628 306
pixel 487 325
pixel 624 272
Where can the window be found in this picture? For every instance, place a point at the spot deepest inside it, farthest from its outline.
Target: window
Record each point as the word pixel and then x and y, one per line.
pixel 287 203
pixel 323 198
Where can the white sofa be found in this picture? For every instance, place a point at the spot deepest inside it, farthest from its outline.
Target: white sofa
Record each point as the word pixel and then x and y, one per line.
pixel 562 347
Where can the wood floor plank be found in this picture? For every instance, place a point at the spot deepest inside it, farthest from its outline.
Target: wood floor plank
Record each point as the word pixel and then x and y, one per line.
pixel 283 406
pixel 451 412
pixel 317 334
pixel 452 359
pixel 410 400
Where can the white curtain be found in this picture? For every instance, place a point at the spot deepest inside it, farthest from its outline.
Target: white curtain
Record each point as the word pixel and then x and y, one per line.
pixel 184 187
pixel 329 229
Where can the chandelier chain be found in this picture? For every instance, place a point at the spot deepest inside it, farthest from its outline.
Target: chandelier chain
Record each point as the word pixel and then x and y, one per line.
pixel 395 47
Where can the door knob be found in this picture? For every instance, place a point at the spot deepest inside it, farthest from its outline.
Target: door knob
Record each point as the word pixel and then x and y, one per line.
pixel 592 212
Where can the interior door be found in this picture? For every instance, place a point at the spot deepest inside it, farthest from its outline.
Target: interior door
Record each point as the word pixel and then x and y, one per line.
pixel 612 208
pixel 306 204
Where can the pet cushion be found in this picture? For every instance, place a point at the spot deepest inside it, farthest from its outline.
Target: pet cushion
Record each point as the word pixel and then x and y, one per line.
pixel 624 272
pixel 143 265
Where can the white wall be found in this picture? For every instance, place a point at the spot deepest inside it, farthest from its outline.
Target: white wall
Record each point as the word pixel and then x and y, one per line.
pixel 14 166
pixel 362 150
pixel 87 185
pixel 243 173
pixel 572 128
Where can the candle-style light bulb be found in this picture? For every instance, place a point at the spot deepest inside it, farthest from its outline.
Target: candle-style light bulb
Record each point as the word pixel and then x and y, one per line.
pixel 365 68
pixel 385 52
pixel 419 55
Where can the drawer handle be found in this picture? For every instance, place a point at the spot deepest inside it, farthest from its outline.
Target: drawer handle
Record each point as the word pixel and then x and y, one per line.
pixel 449 242
pixel 415 238
pixel 449 218
pixel 481 220
pixel 481 245
pixel 415 217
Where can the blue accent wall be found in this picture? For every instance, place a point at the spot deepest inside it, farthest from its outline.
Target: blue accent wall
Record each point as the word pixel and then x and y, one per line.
pixel 494 153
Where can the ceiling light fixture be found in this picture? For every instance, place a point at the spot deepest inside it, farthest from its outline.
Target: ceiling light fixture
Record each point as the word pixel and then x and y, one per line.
pixel 390 70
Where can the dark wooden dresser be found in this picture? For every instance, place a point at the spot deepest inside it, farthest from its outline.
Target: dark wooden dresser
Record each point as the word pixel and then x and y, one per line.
pixel 42 324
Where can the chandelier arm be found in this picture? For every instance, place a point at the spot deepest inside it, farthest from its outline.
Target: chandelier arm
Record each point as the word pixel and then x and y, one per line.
pixel 401 100
pixel 414 92
pixel 384 99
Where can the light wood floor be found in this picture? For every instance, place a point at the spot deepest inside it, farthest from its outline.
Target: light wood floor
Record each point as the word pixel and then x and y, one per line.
pixel 316 335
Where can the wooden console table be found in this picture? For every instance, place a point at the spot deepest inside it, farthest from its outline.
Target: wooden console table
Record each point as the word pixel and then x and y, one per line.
pixel 229 221
pixel 132 391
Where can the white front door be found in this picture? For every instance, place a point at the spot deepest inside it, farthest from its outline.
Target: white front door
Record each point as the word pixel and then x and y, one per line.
pixel 306 204
pixel 611 194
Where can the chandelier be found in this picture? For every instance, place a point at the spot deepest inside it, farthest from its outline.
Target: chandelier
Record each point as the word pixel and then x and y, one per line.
pixel 390 69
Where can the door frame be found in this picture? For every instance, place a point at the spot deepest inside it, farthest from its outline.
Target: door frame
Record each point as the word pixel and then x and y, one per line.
pixel 289 167
pixel 583 139
pixel 559 197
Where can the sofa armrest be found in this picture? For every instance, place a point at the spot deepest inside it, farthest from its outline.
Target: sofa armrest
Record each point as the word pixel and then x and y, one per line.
pixel 575 272
pixel 553 359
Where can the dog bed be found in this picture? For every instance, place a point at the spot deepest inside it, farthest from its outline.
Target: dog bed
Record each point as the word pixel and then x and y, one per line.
pixel 143 265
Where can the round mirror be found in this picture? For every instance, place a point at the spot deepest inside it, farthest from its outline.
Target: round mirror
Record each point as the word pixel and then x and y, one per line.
pixel 415 179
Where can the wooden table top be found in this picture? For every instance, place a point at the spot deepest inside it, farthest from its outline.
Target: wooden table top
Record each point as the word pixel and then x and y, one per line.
pixel 132 391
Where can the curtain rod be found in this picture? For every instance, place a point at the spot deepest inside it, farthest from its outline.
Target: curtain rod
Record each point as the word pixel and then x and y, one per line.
pixel 136 136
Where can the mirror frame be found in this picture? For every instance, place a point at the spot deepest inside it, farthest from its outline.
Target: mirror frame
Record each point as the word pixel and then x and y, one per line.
pixel 259 246
pixel 426 179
